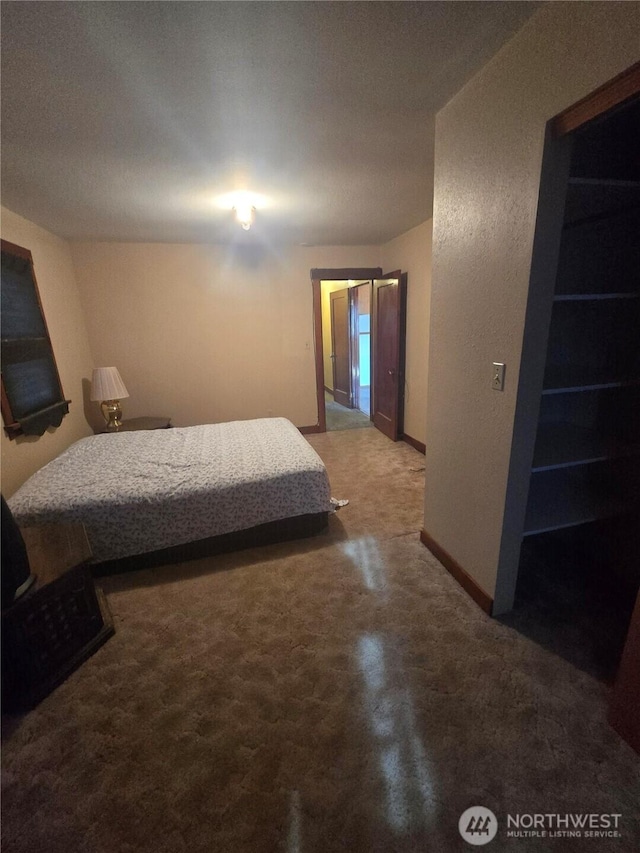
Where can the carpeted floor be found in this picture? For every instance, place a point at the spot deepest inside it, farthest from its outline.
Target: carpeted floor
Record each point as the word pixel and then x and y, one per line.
pixel 339 417
pixel 337 694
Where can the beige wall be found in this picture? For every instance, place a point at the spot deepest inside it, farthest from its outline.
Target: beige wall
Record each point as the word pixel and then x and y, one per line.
pixel 488 152
pixel 202 334
pixel 411 253
pixel 65 320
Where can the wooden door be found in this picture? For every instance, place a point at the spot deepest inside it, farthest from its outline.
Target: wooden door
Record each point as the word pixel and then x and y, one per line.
pixel 340 302
pixel 388 316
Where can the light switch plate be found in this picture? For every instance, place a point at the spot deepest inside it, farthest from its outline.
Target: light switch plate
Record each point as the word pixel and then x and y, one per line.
pixel 497 383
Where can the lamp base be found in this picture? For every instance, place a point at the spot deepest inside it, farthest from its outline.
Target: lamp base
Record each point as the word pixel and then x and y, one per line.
pixel 112 414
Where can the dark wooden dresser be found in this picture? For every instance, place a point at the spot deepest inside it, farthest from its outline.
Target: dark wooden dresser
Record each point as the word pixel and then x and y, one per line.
pixel 58 623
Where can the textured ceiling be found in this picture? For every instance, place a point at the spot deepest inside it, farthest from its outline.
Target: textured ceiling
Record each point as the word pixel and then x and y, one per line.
pixel 125 121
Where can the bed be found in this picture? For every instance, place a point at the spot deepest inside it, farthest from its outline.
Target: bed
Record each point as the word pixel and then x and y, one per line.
pixel 156 496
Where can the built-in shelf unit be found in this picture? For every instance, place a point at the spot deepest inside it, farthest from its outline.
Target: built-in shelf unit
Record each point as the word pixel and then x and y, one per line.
pixel 586 463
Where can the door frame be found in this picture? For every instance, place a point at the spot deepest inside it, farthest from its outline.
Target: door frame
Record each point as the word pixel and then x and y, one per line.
pixel 355 347
pixel 318 275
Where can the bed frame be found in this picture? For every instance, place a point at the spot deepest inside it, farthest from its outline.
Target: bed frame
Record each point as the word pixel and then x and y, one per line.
pixel 283 530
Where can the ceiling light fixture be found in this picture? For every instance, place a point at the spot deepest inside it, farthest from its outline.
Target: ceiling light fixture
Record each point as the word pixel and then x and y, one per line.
pixel 245 214
pixel 244 205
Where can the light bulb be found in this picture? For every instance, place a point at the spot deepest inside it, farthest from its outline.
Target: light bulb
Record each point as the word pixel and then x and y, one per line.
pixel 244 215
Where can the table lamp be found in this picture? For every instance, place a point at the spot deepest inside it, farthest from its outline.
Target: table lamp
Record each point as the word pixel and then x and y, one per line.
pixel 108 387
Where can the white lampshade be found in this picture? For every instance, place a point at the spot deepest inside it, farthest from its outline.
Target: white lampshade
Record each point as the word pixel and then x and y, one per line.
pixel 107 384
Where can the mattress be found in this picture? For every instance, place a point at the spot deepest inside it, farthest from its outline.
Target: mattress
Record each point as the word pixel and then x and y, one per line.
pixel 137 492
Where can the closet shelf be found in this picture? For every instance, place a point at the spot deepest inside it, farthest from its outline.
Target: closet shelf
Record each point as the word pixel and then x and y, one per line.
pixel 560 499
pixel 603 182
pixel 585 297
pixel 564 445
pixel 573 378
pixel 589 200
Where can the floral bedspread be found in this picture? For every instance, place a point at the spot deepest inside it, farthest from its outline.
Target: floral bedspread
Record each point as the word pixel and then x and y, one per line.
pixel 142 491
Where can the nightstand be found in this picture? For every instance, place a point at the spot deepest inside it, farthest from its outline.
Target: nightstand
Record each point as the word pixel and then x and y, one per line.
pixel 59 623
pixel 139 423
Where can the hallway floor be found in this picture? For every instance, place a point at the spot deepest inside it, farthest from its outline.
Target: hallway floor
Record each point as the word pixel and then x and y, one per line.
pixel 340 693
pixel 339 417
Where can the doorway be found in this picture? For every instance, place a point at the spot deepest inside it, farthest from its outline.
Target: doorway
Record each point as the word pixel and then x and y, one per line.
pixel 346 316
pixel 361 344
pixel 359 323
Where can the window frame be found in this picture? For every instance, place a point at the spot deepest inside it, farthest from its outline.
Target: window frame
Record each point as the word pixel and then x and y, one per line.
pixel 12 426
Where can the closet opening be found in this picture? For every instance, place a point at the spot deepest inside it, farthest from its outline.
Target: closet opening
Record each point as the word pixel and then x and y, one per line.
pixel 579 568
